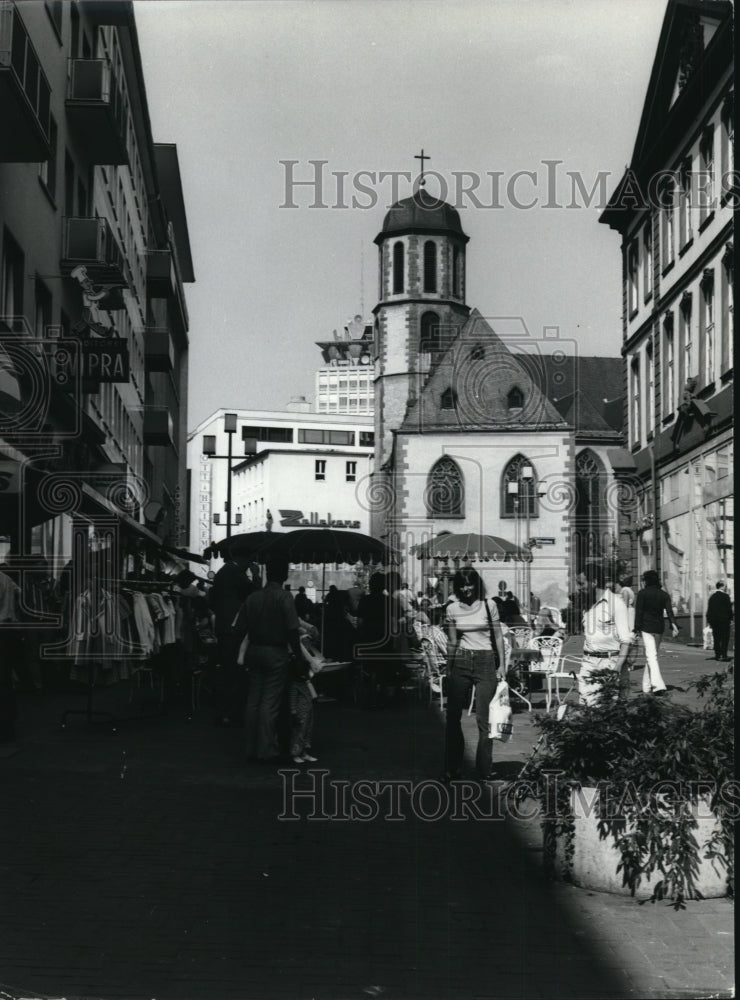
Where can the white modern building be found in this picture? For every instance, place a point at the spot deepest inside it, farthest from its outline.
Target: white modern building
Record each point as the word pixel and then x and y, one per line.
pixel 345 382
pixel 289 469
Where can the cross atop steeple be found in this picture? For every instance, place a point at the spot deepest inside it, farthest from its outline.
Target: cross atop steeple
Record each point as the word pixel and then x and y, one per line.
pixel 422 156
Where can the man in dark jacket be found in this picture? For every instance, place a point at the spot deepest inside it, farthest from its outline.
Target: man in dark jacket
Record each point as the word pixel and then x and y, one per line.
pixel 231 587
pixel 652 607
pixel 719 617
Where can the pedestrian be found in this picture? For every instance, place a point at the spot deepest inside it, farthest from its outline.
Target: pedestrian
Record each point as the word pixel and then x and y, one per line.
pixel 719 617
pixel 534 607
pixel 628 596
pixel 475 657
pixel 303 604
pixel 606 636
pixel 302 696
pixel 511 613
pixel 272 627
pixel 373 649
pixel 231 587
pixel 652 607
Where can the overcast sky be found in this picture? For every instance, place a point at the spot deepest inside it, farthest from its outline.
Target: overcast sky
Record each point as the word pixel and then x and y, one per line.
pixel 491 87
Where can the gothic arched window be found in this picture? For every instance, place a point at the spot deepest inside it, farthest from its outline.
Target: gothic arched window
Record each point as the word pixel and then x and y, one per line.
pixel 445 492
pixel 457 284
pixel 398 268
pixel 522 500
pixel 430 266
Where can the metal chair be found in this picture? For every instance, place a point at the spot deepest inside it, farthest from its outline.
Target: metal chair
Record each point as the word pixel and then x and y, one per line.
pixel 560 673
pixel 550 648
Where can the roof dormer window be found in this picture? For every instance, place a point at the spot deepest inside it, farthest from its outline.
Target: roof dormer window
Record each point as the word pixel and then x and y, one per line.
pixel 515 400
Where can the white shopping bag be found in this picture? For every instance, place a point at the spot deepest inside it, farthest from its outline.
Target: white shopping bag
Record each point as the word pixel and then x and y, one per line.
pixel 708 637
pixel 499 714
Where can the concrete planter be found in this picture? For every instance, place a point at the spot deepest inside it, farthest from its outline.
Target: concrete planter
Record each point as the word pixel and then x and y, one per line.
pixel 595 860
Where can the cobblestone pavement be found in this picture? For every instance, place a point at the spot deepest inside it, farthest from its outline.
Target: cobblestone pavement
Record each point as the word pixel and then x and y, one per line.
pixel 150 861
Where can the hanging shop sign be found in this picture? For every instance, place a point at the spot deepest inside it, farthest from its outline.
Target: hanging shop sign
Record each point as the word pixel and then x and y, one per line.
pixel 296 519
pixel 105 360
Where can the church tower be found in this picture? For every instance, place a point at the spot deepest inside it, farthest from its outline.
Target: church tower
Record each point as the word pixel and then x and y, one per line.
pixel 421 308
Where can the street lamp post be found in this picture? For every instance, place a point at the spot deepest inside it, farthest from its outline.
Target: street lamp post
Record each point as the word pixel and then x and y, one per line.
pixel 528 482
pixel 513 490
pixel 209 449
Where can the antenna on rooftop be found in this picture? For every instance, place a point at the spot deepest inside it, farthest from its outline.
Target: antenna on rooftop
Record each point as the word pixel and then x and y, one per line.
pixel 362 279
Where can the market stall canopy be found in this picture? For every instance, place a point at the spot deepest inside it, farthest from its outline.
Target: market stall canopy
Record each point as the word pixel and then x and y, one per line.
pixel 472 546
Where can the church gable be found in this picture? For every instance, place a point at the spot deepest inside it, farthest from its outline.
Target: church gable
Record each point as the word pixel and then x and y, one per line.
pixel 479 384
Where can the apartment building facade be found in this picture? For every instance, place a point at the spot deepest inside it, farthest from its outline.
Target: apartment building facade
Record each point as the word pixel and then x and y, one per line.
pixel 94 252
pixel 674 211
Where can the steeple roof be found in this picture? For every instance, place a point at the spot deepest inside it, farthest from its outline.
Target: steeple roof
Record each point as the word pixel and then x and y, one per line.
pixel 421 213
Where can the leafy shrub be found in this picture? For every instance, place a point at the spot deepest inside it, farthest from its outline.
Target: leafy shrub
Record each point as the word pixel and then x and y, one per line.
pixel 653 762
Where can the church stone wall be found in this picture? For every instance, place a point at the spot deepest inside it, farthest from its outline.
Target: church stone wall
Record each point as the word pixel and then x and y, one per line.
pixel 482 459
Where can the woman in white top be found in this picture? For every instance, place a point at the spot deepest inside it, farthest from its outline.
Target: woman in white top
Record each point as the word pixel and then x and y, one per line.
pixel 475 656
pixel 606 635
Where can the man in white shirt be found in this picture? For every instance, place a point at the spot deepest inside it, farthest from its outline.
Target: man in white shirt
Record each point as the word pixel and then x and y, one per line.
pixel 606 635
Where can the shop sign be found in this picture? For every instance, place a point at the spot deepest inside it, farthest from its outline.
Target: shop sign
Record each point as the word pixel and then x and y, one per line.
pixel 105 360
pixel 296 519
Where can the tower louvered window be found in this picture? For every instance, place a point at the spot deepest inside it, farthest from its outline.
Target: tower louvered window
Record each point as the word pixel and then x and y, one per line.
pixel 430 266
pixel 398 268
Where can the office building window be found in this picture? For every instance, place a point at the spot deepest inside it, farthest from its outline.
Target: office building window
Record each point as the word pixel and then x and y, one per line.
pixel 367 439
pixel 350 472
pixel 311 435
pixel 320 469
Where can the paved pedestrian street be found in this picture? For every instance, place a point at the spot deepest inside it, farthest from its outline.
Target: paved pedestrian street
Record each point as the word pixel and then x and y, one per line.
pixel 151 861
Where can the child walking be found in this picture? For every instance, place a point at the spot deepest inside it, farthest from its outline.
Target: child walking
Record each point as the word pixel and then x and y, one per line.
pixel 302 696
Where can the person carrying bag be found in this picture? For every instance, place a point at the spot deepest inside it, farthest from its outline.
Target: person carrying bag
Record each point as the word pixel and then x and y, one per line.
pixel 475 657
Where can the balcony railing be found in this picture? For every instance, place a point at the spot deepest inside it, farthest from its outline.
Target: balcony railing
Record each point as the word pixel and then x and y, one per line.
pixel 91 242
pixel 97 109
pixel 158 350
pixel 163 281
pixel 158 427
pixel 101 12
pixel 24 93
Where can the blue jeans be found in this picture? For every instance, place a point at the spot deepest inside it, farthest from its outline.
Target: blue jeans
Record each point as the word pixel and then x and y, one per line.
pixel 470 667
pixel 268 674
